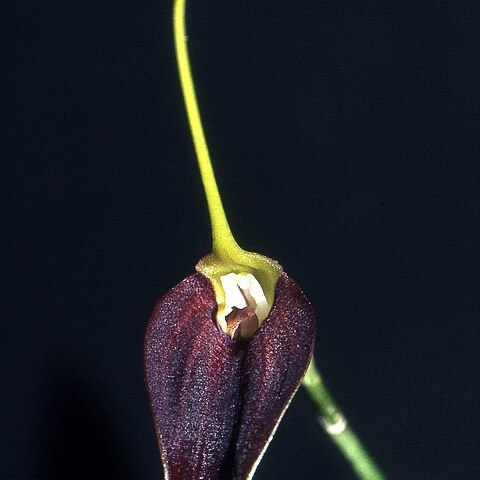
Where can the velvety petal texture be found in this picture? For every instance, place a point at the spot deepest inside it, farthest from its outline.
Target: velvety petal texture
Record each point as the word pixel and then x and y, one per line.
pixel 216 401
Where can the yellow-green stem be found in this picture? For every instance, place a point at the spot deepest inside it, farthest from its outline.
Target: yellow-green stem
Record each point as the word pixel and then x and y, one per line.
pixel 221 234
pixel 226 255
pixel 336 426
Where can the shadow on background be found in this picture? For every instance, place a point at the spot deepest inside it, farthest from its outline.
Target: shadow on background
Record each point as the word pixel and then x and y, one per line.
pixel 80 439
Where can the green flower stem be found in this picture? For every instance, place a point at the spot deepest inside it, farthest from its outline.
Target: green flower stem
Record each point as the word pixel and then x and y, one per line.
pixel 226 255
pixel 336 426
pixel 221 233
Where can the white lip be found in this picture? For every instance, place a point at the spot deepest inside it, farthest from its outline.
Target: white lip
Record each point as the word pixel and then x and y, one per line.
pixel 242 290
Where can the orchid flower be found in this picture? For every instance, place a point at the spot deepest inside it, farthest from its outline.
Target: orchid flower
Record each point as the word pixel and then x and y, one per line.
pixel 225 349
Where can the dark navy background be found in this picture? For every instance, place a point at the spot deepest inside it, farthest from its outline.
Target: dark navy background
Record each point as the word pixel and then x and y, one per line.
pixel 345 137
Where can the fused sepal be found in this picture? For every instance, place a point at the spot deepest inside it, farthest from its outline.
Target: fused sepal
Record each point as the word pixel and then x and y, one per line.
pixel 214 397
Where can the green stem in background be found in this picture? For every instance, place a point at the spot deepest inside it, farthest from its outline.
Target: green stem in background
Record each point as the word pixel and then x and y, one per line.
pixel 336 426
pixel 227 256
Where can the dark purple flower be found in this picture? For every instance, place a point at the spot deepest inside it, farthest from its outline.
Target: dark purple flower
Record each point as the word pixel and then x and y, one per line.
pixel 217 398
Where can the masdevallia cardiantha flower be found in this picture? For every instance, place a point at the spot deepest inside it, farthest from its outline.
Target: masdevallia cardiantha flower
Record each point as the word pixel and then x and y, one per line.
pixel 226 348
pixel 217 400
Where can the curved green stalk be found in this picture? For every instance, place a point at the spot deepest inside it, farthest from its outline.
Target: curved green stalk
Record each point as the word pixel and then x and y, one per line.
pixel 221 233
pixel 336 426
pixel 226 255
